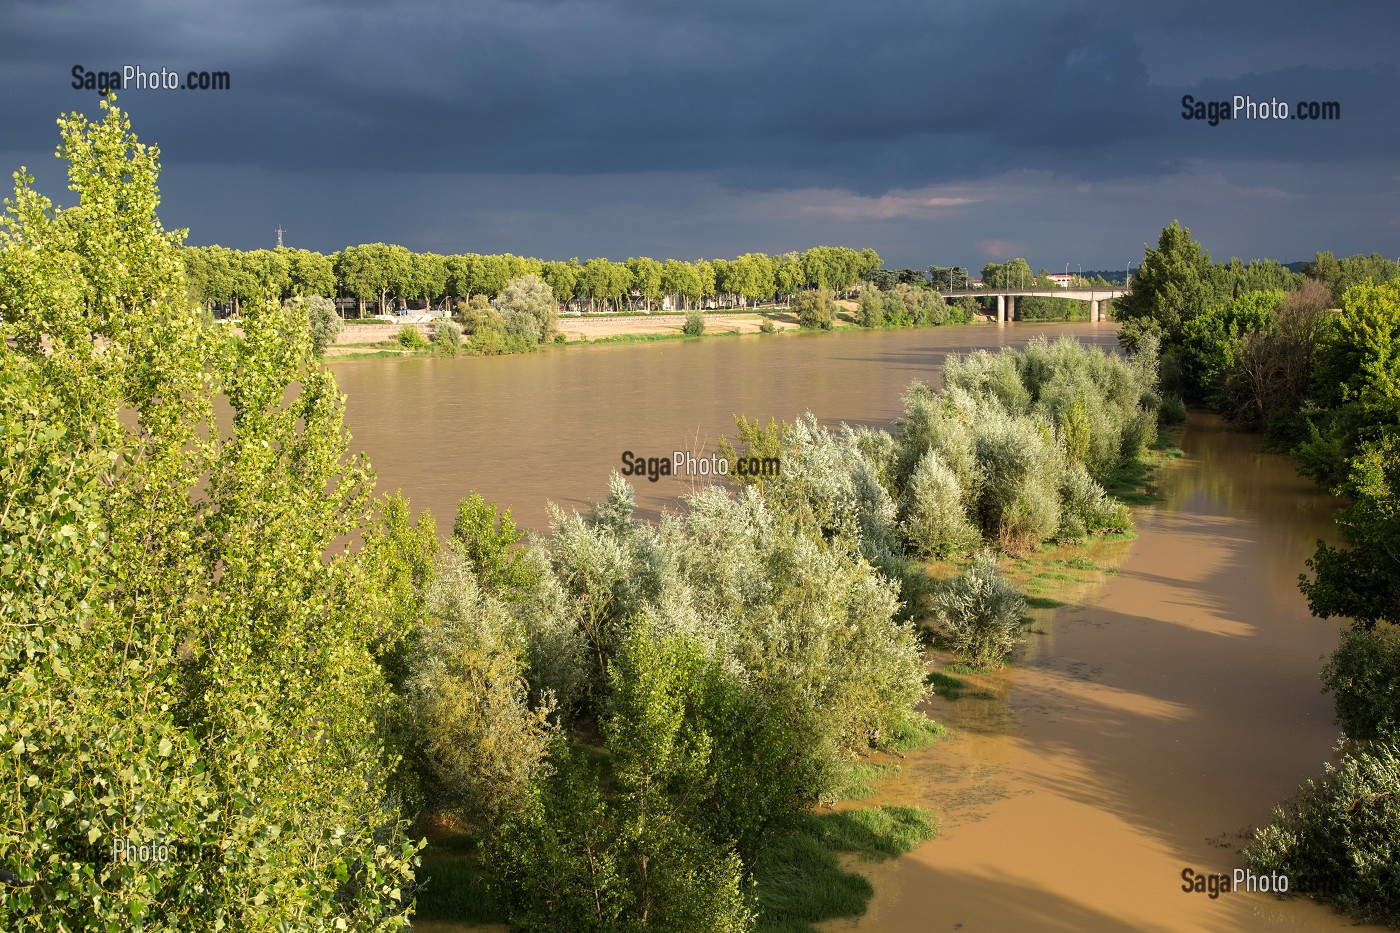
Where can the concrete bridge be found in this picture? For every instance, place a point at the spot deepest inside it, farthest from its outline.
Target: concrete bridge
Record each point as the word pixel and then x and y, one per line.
pixel 1006 298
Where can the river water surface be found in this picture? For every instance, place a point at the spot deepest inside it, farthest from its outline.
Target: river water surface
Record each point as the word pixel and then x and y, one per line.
pixel 1159 715
pixel 522 430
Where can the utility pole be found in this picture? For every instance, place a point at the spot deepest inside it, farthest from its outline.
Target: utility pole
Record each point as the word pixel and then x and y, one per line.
pixel 279 236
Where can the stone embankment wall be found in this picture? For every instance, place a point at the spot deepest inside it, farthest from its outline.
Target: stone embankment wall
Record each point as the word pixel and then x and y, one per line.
pixel 371 333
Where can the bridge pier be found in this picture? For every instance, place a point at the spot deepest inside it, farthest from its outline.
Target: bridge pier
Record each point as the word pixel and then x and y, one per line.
pixel 1006 299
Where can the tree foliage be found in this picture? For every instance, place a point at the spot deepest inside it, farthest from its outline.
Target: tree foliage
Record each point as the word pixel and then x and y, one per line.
pixel 529 295
pixel 1172 285
pixel 324 324
pixel 1363 676
pixel 1361 579
pixel 389 275
pixel 1337 841
pixel 815 309
pixel 1212 342
pixel 199 616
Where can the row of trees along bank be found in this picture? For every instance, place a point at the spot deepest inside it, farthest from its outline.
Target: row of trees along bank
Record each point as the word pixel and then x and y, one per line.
pixel 1313 360
pixel 381 273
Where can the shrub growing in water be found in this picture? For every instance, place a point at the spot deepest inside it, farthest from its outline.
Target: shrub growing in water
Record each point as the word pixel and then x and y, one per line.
pixel 522 326
pixel 471 313
pixel 694 324
pixel 979 615
pixel 1018 505
pixel 481 741
pixel 918 305
pixel 1029 436
pixel 628 848
pixel 935 310
pixel 935 520
pixel 1337 841
pixel 989 376
pixel 1173 410
pixel 1085 508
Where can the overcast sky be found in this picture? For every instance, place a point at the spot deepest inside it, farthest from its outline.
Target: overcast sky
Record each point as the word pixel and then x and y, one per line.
pixel 950 133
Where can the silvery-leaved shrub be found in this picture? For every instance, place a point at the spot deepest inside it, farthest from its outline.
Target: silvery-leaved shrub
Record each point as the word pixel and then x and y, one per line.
pixel 531 296
pixel 325 321
pixel 941 422
pixel 521 325
pixel 990 376
pixel 978 615
pixel 1019 504
pixel 935 522
pixel 1085 508
pixel 447 336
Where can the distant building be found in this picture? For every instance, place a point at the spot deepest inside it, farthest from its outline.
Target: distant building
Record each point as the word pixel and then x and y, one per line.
pixel 1062 280
pixel 976 283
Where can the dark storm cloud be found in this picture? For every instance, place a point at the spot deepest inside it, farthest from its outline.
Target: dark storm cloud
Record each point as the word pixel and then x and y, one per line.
pixel 736 97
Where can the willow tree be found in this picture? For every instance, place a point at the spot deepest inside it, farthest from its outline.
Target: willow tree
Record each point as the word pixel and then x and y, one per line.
pixel 187 660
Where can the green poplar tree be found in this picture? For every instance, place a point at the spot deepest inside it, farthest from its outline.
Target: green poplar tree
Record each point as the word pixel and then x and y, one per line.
pixel 187 657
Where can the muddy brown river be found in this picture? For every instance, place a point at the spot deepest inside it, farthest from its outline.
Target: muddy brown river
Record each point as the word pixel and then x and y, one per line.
pixel 1160 716
pixel 1161 713
pixel 552 425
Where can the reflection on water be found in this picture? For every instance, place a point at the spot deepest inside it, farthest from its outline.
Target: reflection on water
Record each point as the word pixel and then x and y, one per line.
pixel 551 425
pixel 1164 714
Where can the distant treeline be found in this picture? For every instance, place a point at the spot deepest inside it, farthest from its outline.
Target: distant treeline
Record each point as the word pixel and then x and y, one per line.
pixel 381 273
